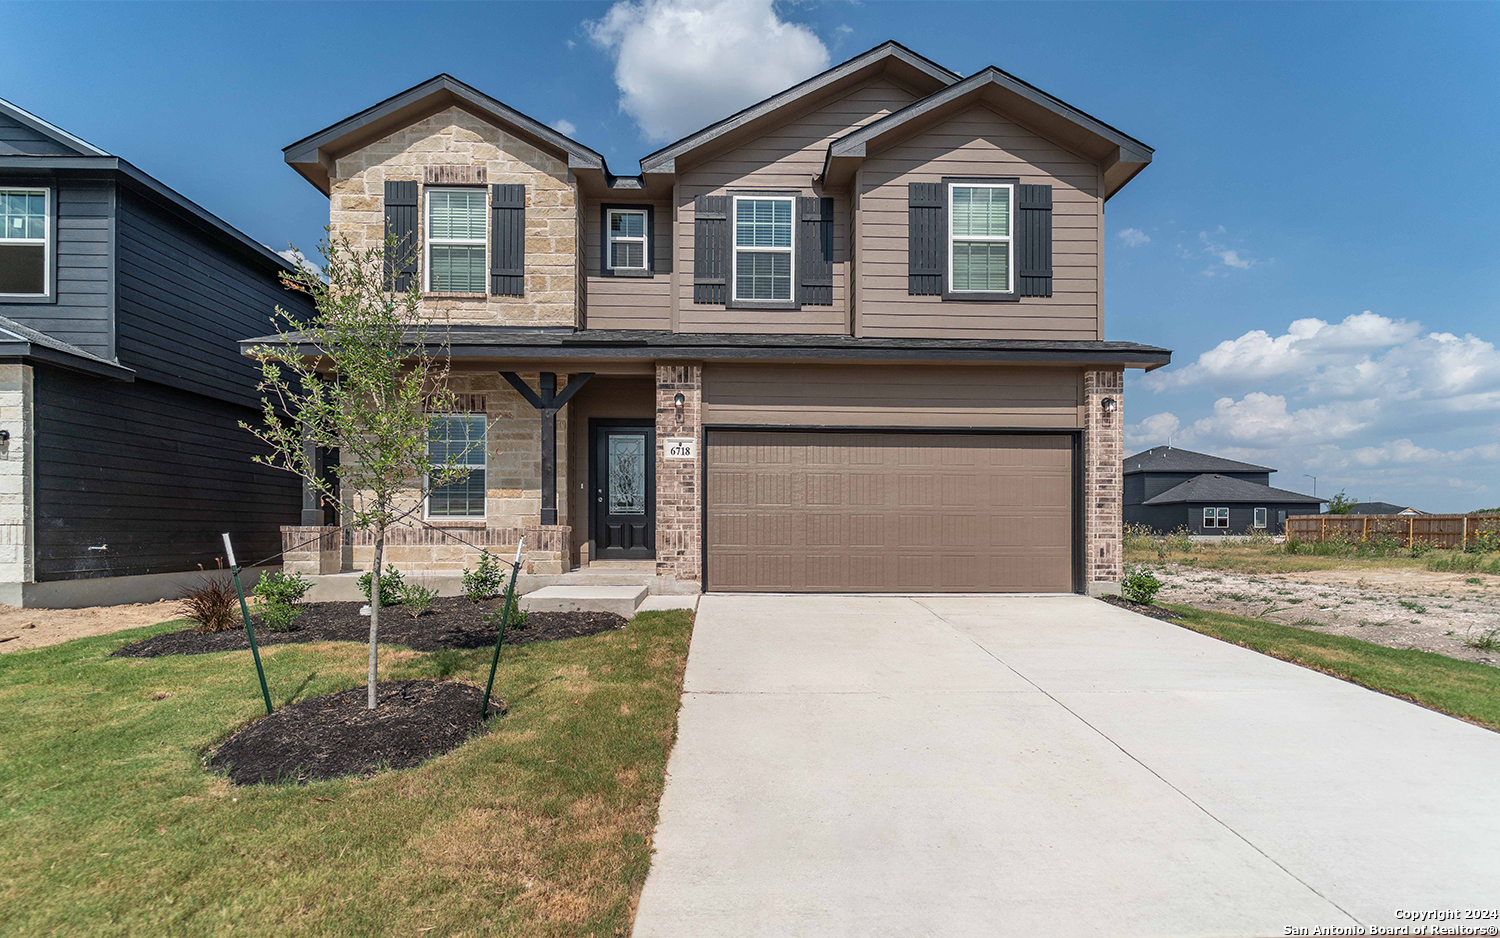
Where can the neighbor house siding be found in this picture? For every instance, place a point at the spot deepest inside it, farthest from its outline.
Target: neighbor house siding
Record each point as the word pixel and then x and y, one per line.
pixel 83 309
pixel 150 475
pixel 978 142
pixel 884 396
pixel 628 302
pixel 185 302
pixel 785 158
pixel 1141 486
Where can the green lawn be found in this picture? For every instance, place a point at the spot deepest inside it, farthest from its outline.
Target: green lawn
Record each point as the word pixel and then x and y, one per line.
pixel 110 826
pixel 1463 689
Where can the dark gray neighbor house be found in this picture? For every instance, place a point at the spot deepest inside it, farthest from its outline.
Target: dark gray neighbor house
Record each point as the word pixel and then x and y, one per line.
pixel 121 383
pixel 1168 488
pixel 1383 508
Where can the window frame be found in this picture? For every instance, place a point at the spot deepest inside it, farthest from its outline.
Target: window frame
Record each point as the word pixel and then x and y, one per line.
pixel 1215 514
pixel 427 487
pixel 605 268
pixel 1261 518
pixel 734 300
pixel 48 242
pixel 1013 183
pixel 425 226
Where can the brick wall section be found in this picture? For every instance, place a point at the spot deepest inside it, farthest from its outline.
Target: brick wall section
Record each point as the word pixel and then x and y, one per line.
pixel 1103 479
pixel 417 549
pixel 16 478
pixel 679 518
pixel 455 146
pixel 311 550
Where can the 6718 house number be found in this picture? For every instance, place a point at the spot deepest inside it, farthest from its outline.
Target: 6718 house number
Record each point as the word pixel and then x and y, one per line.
pixel 686 448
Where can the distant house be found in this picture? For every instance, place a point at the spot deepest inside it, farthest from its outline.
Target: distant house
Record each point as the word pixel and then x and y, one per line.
pixel 1168 488
pixel 1382 508
pixel 121 382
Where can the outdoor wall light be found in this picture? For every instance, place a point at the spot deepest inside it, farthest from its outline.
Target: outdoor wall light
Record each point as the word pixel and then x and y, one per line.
pixel 4 436
pixel 1108 404
pixel 679 401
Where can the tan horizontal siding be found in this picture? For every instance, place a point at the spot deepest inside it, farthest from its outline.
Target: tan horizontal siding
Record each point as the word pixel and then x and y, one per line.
pixel 883 396
pixel 787 157
pixel 979 142
pixel 628 302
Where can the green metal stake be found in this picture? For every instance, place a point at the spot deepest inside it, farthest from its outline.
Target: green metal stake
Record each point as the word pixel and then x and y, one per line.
pixel 510 596
pixel 234 568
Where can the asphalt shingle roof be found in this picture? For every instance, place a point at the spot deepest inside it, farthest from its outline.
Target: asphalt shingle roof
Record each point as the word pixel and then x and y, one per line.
pixel 1225 490
pixel 1171 459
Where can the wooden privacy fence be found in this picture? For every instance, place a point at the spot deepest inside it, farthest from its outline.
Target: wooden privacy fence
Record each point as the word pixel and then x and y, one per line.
pixel 1451 531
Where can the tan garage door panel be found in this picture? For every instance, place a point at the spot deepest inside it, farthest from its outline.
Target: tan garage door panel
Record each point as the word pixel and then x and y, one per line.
pixel 790 511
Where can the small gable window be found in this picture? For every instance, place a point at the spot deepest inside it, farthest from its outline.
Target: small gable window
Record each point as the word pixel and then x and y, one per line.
pixel 456 225
pixel 1260 517
pixel 1216 517
pixel 24 219
pixel 626 230
pixel 763 244
pixel 981 252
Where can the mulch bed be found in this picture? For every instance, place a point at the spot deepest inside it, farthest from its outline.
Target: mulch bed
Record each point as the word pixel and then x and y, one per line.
pixel 336 736
pixel 1155 612
pixel 452 622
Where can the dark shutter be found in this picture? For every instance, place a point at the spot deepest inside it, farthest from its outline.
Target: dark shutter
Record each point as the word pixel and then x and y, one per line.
pixel 710 249
pixel 925 241
pixel 508 240
pixel 815 252
pixel 403 246
pixel 1034 240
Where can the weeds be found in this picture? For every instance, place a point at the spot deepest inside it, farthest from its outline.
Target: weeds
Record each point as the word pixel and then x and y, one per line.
pixel 1488 640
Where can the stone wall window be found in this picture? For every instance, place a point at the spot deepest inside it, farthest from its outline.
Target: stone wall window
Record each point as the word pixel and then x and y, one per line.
pixel 459 438
pixel 455 240
pixel 24 267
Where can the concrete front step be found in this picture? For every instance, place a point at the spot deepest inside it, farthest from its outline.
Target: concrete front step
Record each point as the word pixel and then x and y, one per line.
pixel 621 600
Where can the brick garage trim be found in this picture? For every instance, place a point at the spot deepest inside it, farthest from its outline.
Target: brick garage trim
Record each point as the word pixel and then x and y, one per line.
pixel 679 506
pixel 1103 480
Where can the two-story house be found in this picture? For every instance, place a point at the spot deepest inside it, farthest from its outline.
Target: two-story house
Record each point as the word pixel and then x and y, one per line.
pixel 848 339
pixel 1170 489
pixel 121 381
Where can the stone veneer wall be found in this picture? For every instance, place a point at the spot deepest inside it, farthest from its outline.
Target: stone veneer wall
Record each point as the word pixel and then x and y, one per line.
pixel 16 481
pixel 679 517
pixel 455 147
pixel 1103 480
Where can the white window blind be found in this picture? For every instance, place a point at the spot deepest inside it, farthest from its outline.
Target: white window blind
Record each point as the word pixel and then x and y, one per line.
pixel 980 238
pixel 627 240
pixel 763 242
pixel 456 228
pixel 459 438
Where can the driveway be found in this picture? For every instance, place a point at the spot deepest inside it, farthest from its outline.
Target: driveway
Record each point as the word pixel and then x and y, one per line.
pixel 954 766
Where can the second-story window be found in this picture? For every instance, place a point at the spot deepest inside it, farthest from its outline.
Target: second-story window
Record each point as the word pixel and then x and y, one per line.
pixel 763 236
pixel 23 242
pixel 456 240
pixel 627 239
pixel 980 251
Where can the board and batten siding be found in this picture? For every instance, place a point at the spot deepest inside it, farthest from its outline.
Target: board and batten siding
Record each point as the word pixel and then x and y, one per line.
pixel 140 478
pixel 628 302
pixel 185 302
pixel 978 142
pixel 787 158
pixel 83 311
pixel 808 394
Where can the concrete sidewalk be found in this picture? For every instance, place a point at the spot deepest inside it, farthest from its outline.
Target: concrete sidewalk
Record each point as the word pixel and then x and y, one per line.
pixel 936 766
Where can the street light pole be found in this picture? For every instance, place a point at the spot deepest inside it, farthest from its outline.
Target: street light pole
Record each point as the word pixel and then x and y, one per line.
pixel 1315 482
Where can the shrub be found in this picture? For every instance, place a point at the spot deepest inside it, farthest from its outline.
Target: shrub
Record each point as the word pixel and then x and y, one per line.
pixel 280 616
pixel 1292 545
pixel 1420 549
pixel 280 587
pixel 484 581
pixel 1340 504
pixel 518 617
pixel 390 586
pixel 417 599
pixel 1140 586
pixel 214 606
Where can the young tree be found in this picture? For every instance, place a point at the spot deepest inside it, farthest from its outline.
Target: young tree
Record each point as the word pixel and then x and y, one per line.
pixel 1340 504
pixel 360 376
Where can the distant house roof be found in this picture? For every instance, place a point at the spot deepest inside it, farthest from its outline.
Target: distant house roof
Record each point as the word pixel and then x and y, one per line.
pixel 1382 508
pixel 1211 488
pixel 1171 459
pixel 23 343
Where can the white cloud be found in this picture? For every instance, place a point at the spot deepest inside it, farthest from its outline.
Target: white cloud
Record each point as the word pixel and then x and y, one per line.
pixel 1134 237
pixel 1210 246
pixel 1153 431
pixel 565 127
pixel 680 65
pixel 296 259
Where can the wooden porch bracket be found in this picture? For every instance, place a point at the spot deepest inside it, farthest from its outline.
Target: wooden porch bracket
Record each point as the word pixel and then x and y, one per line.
pixel 548 402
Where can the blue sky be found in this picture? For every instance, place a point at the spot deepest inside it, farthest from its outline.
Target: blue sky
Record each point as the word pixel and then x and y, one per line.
pixel 1315 162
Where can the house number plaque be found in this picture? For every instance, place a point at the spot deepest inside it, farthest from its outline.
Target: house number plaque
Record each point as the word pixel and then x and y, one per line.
pixel 681 448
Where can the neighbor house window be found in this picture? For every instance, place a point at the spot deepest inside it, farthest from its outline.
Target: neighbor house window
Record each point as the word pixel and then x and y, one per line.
pixel 456 240
pixel 627 239
pixel 1216 517
pixel 980 251
pixel 457 439
pixel 1260 517
pixel 24 267
pixel 763 249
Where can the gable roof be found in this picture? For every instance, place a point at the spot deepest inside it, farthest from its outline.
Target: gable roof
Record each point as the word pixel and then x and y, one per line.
pixel 1381 508
pixel 1122 155
pixel 1171 459
pixel 28 130
pixel 889 56
pixel 1211 488
pixel 313 155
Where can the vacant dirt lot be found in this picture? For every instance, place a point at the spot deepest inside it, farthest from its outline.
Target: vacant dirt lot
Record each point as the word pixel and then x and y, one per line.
pixel 1401 608
pixel 33 628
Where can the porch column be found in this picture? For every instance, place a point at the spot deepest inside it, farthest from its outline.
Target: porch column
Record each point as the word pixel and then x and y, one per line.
pixel 1103 482
pixel 679 516
pixel 548 403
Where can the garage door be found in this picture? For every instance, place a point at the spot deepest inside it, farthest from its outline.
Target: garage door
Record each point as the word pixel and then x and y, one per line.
pixel 889 512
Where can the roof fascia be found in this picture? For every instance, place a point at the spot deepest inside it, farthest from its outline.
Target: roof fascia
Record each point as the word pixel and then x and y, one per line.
pixel 83 147
pixel 30 353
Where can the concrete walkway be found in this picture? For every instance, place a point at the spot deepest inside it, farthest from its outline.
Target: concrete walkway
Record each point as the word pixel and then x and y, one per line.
pixel 960 766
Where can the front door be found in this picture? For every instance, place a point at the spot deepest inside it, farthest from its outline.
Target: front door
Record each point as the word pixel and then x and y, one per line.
pixel 624 493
